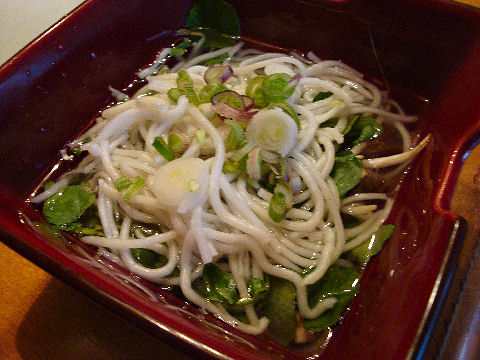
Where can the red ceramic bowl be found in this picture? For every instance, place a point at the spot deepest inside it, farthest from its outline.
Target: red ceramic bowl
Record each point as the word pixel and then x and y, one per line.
pixel 426 52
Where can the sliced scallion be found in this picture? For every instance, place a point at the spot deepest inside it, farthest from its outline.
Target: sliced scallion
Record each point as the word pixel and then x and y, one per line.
pixel 123 183
pixel 134 187
pixel 277 207
pixel 161 146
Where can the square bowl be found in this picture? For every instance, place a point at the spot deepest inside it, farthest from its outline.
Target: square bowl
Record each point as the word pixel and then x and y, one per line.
pixel 427 53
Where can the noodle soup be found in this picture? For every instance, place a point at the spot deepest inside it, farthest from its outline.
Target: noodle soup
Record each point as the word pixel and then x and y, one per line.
pixel 240 183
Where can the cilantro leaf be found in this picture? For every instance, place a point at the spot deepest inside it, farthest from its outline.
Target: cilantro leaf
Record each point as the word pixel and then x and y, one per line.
pixel 362 129
pixel 346 172
pixel 338 282
pixel 217 285
pixel 68 205
pixel 279 308
pixel 214 14
pixel 372 247
pixel 149 258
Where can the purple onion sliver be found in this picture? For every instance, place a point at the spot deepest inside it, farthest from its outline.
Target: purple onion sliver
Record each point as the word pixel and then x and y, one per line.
pixel 227 74
pixel 248 102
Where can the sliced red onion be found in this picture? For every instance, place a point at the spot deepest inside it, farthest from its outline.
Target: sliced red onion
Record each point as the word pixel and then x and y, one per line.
pixel 248 102
pixel 254 162
pixel 230 112
pixel 231 105
pixel 218 73
pixel 294 78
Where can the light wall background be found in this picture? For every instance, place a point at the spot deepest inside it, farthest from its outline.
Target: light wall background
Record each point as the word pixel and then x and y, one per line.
pixel 23 20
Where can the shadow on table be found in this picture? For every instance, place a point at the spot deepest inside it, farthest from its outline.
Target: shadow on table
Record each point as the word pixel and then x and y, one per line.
pixel 64 324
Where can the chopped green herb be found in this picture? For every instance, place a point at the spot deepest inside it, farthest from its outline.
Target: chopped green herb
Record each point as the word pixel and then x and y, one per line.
pixel 174 94
pixel 175 143
pixel 277 206
pixel 236 137
pixel 163 70
pixel 255 91
pixel 185 84
pixel 180 49
pixel 137 183
pixel 200 134
pixel 230 167
pixel 123 183
pixel 77 151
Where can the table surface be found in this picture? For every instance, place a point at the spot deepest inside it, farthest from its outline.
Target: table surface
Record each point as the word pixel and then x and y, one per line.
pixel 43 318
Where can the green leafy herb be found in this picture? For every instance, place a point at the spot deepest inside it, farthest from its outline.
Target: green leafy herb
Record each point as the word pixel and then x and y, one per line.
pixel 350 221
pixel 217 285
pixel 216 15
pixel 161 146
pixel 67 205
pixel 346 172
pixel 362 129
pixel 258 287
pixel 332 122
pixel 149 258
pixel 338 282
pixel 322 95
pixel 279 307
pixel 277 87
pixel 80 229
pixel 372 247
pixel 180 49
